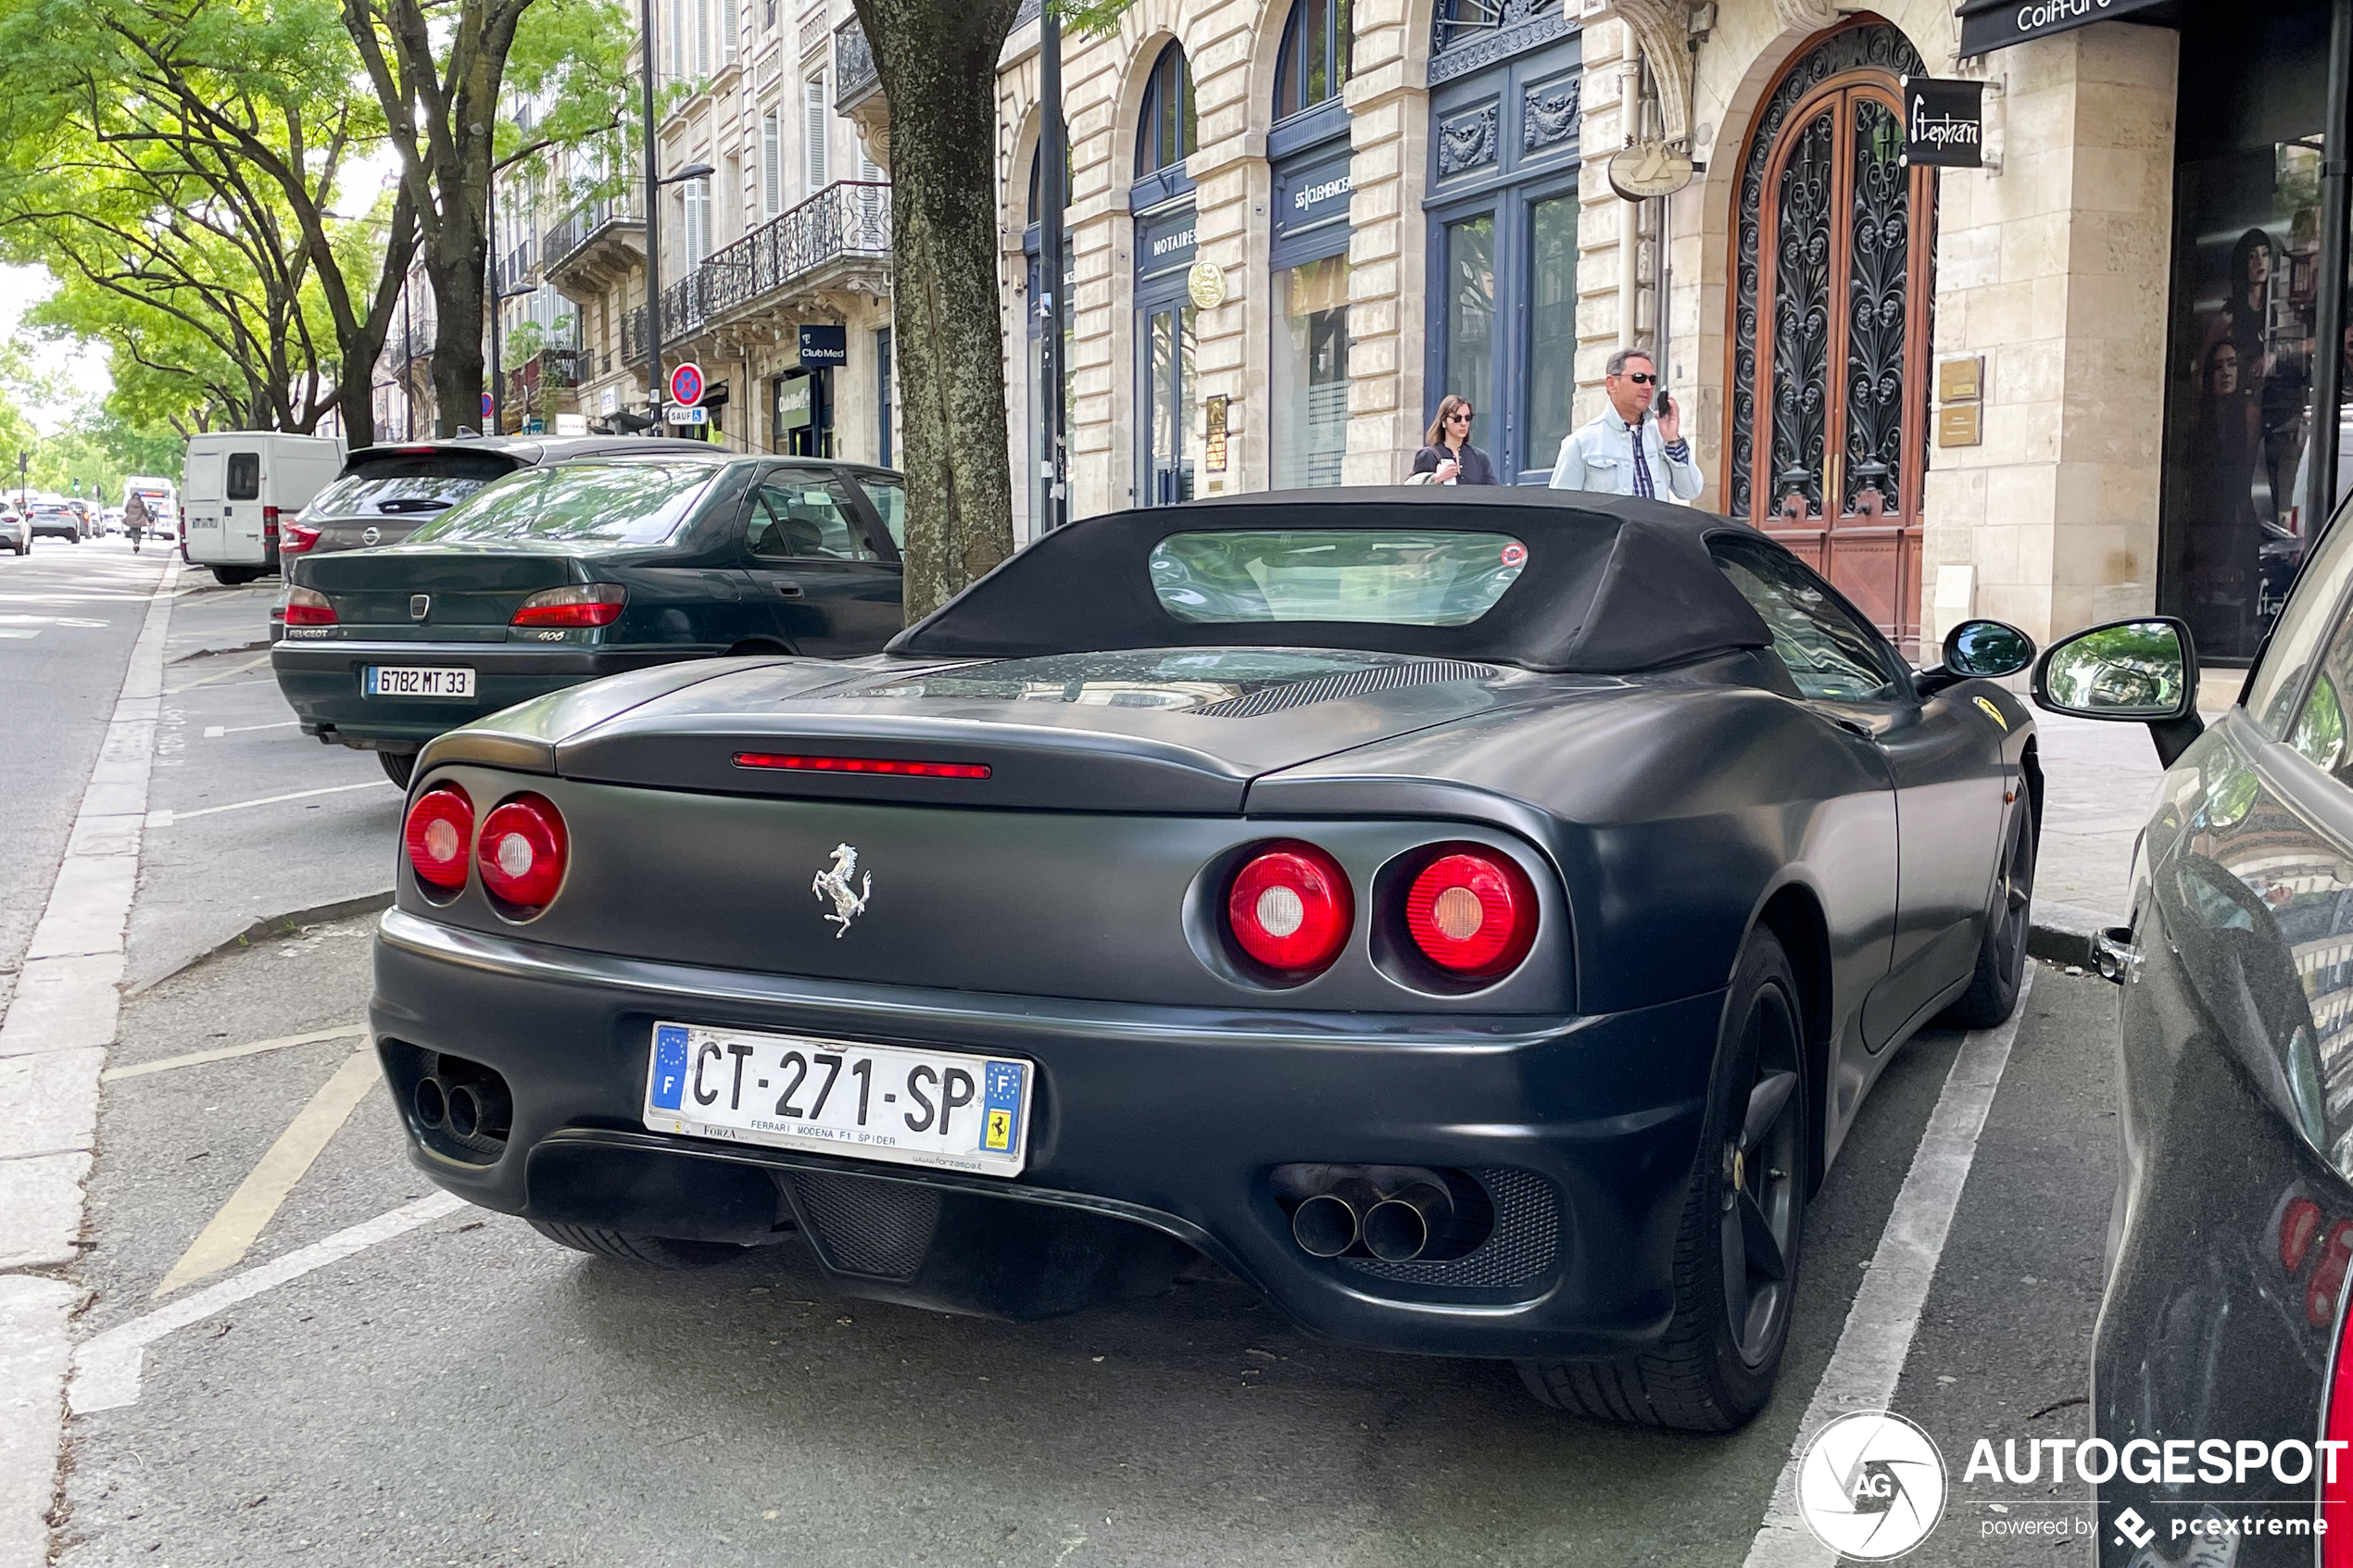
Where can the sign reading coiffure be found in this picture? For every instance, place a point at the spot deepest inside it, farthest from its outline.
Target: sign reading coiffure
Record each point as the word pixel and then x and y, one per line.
pixel 1987 25
pixel 1944 122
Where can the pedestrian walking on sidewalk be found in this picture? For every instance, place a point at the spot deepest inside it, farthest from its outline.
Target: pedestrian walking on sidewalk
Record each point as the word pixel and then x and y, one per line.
pixel 1448 456
pixel 135 520
pixel 1636 447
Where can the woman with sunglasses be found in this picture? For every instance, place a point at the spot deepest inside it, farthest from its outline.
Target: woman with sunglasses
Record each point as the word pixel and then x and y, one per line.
pixel 1448 458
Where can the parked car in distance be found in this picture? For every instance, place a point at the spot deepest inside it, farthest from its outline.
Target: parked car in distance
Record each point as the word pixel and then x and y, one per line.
pixel 241 486
pixel 563 572
pixel 1474 918
pixel 16 532
pixel 54 520
pixel 387 493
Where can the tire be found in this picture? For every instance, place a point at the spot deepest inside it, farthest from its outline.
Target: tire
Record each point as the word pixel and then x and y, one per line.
pixel 1993 990
pixel 641 1251
pixel 233 576
pixel 398 766
pixel 1744 1219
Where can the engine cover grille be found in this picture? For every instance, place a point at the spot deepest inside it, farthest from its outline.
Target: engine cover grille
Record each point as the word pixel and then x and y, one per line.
pixel 1521 1249
pixel 863 1226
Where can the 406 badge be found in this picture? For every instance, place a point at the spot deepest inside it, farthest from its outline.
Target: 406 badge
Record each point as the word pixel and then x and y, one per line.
pixel 1871 1485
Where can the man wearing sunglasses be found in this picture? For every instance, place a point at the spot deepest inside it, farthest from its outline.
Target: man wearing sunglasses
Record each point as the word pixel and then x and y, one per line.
pixel 1632 449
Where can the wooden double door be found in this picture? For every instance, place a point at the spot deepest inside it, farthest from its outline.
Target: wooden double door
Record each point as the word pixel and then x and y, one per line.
pixel 1832 317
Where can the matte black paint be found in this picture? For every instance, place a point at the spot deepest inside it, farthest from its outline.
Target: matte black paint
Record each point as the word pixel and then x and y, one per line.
pixel 1063 910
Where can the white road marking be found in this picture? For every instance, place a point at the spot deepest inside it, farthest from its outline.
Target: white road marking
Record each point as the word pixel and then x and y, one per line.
pixel 18 632
pixel 107 1368
pixel 226 1053
pixel 166 818
pixel 230 1234
pixel 1886 1312
pixel 214 732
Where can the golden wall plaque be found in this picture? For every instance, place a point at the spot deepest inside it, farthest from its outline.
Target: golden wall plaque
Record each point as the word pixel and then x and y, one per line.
pixel 1958 426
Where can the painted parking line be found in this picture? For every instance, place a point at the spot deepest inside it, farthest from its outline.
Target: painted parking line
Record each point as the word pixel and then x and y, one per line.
pixel 1886 1312
pixel 166 818
pixel 227 1053
pixel 230 1234
pixel 214 732
pixel 107 1368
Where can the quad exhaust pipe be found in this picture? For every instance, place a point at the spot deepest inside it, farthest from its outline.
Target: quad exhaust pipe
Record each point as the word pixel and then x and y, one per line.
pixel 1396 1226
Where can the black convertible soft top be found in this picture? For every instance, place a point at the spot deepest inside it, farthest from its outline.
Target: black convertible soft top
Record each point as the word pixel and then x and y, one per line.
pixel 1613 584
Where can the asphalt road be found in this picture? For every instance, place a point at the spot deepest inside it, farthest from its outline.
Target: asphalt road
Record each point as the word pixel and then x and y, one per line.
pixel 462 1391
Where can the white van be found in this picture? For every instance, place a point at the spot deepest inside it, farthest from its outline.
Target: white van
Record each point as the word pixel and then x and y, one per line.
pixel 239 483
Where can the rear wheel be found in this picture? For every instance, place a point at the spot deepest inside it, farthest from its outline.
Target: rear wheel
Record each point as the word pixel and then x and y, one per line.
pixel 1992 995
pixel 398 766
pixel 644 1252
pixel 1736 1256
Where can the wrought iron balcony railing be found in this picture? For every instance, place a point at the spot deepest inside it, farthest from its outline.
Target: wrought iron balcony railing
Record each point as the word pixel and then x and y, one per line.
pixel 854 75
pixel 848 221
pixel 581 224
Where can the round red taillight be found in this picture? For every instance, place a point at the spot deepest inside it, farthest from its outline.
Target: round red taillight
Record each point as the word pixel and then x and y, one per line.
pixel 522 855
pixel 1290 907
pixel 439 832
pixel 1472 913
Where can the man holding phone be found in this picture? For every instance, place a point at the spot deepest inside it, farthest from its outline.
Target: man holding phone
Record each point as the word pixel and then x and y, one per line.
pixel 1636 447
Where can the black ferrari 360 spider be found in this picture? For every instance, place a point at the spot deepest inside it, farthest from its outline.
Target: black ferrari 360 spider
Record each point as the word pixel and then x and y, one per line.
pixel 1471 919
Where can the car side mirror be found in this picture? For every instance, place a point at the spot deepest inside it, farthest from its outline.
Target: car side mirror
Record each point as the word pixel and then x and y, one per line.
pixel 2142 671
pixel 1978 651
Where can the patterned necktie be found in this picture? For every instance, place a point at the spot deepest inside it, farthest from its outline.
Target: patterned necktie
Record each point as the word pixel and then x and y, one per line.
pixel 1642 485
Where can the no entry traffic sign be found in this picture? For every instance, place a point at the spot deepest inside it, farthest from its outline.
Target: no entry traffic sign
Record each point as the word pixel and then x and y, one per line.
pixel 685 384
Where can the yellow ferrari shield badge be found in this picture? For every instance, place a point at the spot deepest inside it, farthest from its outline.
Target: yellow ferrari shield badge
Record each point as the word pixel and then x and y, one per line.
pixel 1000 1134
pixel 1993 713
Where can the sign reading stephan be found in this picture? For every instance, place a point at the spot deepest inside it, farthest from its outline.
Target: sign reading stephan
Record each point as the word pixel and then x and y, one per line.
pixel 1944 122
pixel 1987 25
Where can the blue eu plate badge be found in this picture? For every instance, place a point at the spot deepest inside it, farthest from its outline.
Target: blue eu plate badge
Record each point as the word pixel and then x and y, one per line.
pixel 670 1066
pixel 1001 1106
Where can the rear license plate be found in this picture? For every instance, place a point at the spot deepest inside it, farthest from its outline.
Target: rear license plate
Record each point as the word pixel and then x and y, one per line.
pixel 397 680
pixel 940 1109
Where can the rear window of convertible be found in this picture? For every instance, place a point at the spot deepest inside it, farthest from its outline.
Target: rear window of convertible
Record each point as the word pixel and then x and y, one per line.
pixel 632 503
pixel 1367 574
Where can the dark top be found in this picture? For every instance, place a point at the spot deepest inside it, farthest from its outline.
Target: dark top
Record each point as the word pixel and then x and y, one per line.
pixel 1613 584
pixel 1477 468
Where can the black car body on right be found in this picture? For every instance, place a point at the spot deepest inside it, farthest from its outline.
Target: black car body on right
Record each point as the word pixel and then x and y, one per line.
pixel 2223 1320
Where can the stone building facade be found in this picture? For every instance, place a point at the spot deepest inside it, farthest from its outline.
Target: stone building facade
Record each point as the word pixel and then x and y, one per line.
pixel 775 272
pixel 1485 252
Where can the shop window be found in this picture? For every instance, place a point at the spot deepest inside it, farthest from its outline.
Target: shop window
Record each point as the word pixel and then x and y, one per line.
pixel 1313 66
pixel 2240 429
pixel 1310 374
pixel 1165 131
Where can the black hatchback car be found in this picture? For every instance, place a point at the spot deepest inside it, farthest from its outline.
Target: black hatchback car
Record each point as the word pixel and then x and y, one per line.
pixel 2220 1373
pixel 567 572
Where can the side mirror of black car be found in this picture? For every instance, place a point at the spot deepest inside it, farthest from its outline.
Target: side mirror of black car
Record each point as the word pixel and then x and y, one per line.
pixel 2144 670
pixel 1975 650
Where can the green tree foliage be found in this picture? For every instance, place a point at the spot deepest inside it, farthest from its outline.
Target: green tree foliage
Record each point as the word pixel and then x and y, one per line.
pixel 177 165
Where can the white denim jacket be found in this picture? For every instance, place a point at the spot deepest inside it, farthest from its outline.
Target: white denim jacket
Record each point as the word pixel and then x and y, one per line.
pixel 1600 456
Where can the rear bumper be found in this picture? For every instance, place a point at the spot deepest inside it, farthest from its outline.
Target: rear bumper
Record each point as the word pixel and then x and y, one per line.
pixel 322 682
pixel 1146 1119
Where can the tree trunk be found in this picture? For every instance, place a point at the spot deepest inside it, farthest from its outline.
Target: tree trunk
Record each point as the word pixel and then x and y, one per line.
pixel 937 62
pixel 455 268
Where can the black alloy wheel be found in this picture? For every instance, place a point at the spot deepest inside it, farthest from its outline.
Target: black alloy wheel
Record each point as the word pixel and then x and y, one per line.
pixel 1993 986
pixel 1763 1163
pixel 1736 1255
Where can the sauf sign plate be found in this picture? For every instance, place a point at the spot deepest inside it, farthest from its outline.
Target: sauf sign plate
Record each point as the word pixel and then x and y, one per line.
pixel 1944 122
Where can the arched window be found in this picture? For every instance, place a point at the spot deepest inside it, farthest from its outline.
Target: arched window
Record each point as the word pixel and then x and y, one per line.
pixel 1165 131
pixel 1313 66
pixel 1036 164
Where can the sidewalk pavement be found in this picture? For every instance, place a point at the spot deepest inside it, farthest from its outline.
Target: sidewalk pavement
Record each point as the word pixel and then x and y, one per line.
pixel 2100 781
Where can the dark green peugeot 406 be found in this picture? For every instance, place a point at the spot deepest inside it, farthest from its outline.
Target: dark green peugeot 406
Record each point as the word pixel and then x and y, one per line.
pixel 561 573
